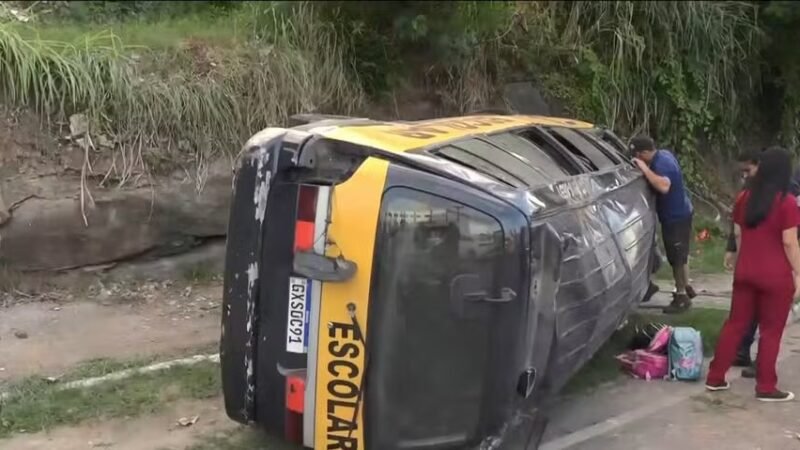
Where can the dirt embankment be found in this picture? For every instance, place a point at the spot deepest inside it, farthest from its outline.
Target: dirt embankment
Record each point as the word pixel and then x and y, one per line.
pixel 63 206
pixel 72 199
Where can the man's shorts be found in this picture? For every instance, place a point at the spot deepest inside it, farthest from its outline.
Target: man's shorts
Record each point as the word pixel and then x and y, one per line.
pixel 677 236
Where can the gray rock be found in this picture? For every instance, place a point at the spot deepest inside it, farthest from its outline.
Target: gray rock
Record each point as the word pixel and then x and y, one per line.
pixel 103 141
pixel 48 232
pixel 209 258
pixel 78 125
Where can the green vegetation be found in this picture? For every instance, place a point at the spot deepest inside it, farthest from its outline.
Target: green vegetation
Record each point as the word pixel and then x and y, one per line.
pixel 103 366
pixel 177 82
pixel 186 103
pixel 603 368
pixel 35 404
pixel 202 273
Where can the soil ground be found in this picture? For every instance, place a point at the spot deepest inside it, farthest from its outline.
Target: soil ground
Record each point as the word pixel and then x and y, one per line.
pixel 47 337
pixel 154 432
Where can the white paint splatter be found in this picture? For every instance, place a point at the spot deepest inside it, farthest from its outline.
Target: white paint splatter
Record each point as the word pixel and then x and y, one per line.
pixel 263 179
pixel 252 276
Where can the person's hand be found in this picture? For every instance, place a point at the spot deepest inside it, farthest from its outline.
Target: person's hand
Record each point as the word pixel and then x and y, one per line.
pixel 796 286
pixel 639 163
pixel 729 261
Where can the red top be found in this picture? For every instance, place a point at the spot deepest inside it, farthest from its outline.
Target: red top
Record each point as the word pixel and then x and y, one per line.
pixel 762 257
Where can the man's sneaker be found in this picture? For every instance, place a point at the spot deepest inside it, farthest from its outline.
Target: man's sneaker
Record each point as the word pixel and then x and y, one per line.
pixel 651 291
pixel 714 387
pixel 690 292
pixel 680 303
pixel 775 396
pixel 749 372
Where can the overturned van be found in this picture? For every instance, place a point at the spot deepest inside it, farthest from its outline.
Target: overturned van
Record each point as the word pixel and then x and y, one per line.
pixel 425 285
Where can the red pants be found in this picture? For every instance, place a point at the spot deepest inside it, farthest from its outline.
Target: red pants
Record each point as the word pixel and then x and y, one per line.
pixel 770 304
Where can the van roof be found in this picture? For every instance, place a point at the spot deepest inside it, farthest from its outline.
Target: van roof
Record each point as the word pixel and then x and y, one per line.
pixel 404 136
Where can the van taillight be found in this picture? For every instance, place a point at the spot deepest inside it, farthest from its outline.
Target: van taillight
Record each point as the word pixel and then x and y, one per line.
pixel 306 214
pixel 295 390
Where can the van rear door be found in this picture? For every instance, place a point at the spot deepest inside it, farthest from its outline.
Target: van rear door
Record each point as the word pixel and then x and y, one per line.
pixel 447 315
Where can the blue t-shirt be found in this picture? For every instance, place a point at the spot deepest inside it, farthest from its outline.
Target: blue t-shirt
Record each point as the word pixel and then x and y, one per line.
pixel 675 204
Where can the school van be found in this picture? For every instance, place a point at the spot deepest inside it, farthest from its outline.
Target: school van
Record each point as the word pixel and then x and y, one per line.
pixel 425 285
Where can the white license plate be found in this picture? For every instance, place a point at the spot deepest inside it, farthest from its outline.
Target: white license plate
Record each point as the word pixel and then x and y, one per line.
pixel 299 312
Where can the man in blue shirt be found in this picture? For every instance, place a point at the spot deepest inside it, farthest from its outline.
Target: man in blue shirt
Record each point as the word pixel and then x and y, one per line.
pixel 675 211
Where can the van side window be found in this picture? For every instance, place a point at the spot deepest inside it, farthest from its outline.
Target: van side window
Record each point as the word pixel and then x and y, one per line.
pixel 613 140
pixel 481 164
pixel 580 147
pixel 569 162
pixel 603 145
pixel 531 156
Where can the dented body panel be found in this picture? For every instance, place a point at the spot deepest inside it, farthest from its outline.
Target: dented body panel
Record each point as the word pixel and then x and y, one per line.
pixel 473 266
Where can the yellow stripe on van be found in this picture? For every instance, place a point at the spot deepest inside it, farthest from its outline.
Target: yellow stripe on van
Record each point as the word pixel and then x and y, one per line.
pixel 401 137
pixel 355 212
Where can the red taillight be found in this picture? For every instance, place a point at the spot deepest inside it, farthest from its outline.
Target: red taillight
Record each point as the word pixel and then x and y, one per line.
pixel 295 395
pixel 306 214
pixel 295 390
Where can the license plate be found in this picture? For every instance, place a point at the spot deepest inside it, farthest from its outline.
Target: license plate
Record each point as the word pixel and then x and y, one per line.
pixel 299 313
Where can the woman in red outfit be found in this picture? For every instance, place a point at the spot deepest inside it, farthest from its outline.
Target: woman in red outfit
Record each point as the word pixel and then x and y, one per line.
pixel 767 273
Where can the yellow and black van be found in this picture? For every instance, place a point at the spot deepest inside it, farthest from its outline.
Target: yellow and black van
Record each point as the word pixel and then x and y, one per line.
pixel 425 285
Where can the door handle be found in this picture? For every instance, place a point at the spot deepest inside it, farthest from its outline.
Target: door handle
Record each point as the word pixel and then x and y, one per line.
pixel 506 295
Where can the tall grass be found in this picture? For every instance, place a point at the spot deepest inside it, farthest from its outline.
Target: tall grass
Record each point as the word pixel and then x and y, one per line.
pixel 646 63
pixel 191 104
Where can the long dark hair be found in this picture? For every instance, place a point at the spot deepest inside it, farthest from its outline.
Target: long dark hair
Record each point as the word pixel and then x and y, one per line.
pixel 772 179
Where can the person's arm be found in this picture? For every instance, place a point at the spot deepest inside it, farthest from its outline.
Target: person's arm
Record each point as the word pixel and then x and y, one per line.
pixel 737 231
pixel 735 235
pixel 790 222
pixel 792 249
pixel 659 183
pixel 730 249
pixel 731 245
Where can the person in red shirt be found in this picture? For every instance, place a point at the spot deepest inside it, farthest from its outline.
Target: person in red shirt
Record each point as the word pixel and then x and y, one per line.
pixel 767 273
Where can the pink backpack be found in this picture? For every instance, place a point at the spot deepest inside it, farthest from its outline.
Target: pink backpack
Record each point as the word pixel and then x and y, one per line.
pixel 644 364
pixel 660 340
pixel 650 363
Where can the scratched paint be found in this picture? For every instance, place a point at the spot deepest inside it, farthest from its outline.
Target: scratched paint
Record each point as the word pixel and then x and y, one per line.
pixel 261 194
pixel 263 179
